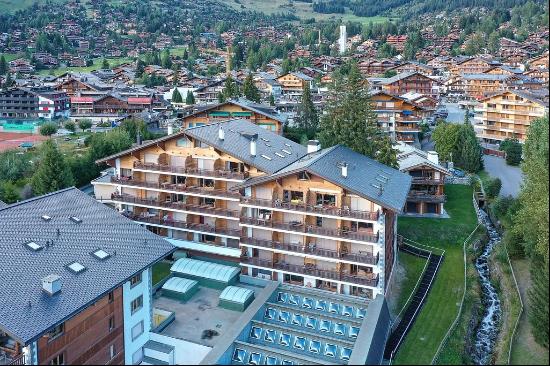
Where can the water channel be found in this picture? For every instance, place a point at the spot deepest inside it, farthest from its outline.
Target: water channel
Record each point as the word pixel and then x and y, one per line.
pixel 487 331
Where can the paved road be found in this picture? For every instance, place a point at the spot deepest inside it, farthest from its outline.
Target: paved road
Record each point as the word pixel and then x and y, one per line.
pixel 510 176
pixel 456 115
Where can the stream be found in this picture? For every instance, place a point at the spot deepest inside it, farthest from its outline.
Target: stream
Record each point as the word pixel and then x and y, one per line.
pixel 487 330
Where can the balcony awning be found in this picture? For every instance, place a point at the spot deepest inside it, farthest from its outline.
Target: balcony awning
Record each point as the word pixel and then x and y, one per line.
pixel 241 114
pixel 219 114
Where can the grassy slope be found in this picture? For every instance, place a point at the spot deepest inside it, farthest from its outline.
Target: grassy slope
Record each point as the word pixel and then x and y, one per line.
pixel 442 305
pixel 410 269
pixel 302 10
pixel 525 351
pixel 113 61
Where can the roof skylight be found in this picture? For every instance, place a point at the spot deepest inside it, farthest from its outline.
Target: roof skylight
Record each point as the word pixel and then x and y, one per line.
pixel 76 267
pixel 101 254
pixel 287 152
pixel 46 217
pixel 75 219
pixel 33 246
pixel 265 157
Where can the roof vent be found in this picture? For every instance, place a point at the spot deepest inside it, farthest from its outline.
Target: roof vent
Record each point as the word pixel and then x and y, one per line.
pixel 75 219
pixel 344 169
pixel 313 146
pixel 51 284
pixel 46 218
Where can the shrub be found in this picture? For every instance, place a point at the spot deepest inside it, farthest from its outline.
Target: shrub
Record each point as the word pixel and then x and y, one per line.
pixel 492 188
pixel 48 129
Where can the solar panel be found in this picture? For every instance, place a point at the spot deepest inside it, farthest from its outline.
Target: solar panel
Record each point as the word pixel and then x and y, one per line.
pixel 300 343
pixel 255 332
pixel 333 308
pixel 270 360
pixel 347 310
pixel 307 303
pixel 315 346
pixel 361 313
pixel 311 322
pixel 269 335
pixel 330 350
pixel 284 316
pixel 284 339
pixel 345 353
pixel 340 329
pixel 255 358
pixel 353 332
pixel 325 326
pixel 270 313
pixel 297 319
pixel 321 305
pixel 281 297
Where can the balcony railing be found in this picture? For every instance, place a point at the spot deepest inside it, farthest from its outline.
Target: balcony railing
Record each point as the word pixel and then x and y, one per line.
pixel 205 209
pixel 192 171
pixel 426 197
pixel 427 180
pixel 176 187
pixel 312 271
pixel 313 250
pixel 302 207
pixel 204 228
pixel 310 229
pixel 19 360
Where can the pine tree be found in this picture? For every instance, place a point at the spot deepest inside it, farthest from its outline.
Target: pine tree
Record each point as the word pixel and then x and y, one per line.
pixel 3 65
pixel 387 154
pixel 190 98
pixel 469 152
pixel 250 91
pixel 350 119
pixel 306 115
pixel 176 96
pixel 105 64
pixel 231 89
pixel 53 172
pixel 271 100
pixel 166 61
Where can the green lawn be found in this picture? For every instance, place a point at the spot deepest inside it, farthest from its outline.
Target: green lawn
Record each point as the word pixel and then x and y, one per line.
pixel 113 62
pixel 9 56
pixel 160 271
pixel 441 307
pixel 412 267
pixel 300 9
pixel 11 6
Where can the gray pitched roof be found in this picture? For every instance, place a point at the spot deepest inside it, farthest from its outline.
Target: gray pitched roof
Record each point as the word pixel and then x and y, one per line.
pixel 26 311
pixel 279 151
pixel 366 177
pixel 2 204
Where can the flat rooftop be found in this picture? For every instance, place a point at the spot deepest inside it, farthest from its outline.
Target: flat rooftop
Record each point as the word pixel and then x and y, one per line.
pixel 199 314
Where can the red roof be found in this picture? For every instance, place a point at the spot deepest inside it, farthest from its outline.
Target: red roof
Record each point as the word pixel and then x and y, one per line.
pixel 82 99
pixel 134 100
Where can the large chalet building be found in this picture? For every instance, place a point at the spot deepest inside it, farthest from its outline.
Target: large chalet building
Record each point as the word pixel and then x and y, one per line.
pixel 76 295
pixel 263 115
pixel 404 83
pixel 33 103
pixel 508 114
pixel 238 192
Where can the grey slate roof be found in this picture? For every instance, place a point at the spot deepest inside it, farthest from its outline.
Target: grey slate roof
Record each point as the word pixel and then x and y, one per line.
pixel 132 249
pixel 2 204
pixel 237 144
pixel 365 175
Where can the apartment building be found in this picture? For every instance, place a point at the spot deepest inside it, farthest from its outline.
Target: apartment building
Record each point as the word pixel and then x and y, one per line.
pixel 508 114
pixel 293 84
pixel 104 106
pixel 406 83
pixel 374 67
pixel 263 115
pixel 238 192
pixel 70 293
pixel 397 116
pixel 473 65
pixel 427 194
pixel 33 103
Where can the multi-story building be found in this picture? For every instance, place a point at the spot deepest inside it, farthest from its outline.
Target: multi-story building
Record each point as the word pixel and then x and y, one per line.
pixel 33 103
pixel 473 65
pixel 413 66
pixel 263 115
pixel 508 114
pixel 374 67
pixel 236 191
pixel 397 116
pixel 293 84
pixel 105 106
pixel 71 294
pixel 405 83
pixel 427 194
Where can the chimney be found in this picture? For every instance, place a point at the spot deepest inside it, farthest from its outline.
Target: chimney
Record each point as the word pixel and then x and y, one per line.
pixel 344 167
pixel 51 284
pixel 138 138
pixel 221 133
pixel 433 157
pixel 253 146
pixel 313 146
pixel 170 128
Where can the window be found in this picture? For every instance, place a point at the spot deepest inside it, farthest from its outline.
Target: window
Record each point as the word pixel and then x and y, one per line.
pixel 111 323
pixel 111 296
pixel 56 332
pixel 318 221
pixel 137 330
pixel 112 351
pixel 136 304
pixel 58 360
pixel 184 142
pixel 135 280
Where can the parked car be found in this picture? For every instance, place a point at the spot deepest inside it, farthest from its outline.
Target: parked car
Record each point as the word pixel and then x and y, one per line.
pixel 458 173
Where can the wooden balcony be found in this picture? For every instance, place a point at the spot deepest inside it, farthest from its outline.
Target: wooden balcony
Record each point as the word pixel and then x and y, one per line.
pixel 427 181
pixel 220 173
pixel 203 228
pixel 299 227
pixel 371 281
pixel 176 187
pixel 426 197
pixel 182 206
pixel 312 250
pixel 313 209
